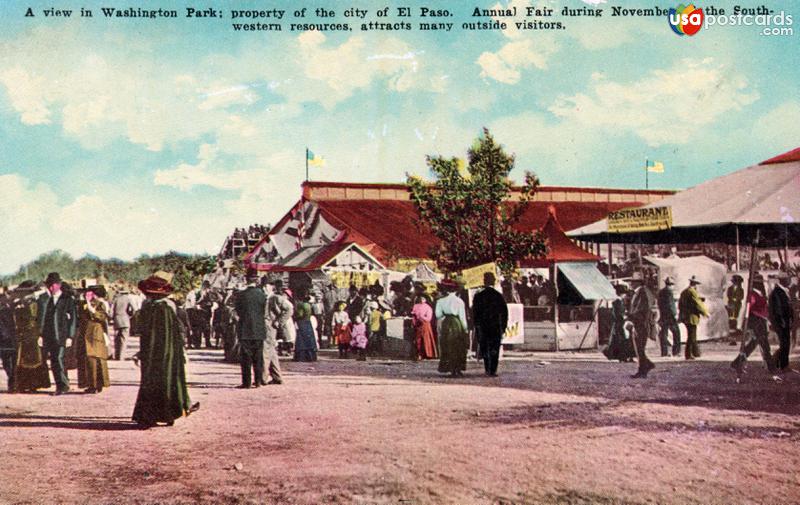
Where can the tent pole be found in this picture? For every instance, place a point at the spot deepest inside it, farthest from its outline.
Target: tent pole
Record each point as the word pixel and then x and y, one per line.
pixel 738 257
pixel 610 258
pixel 749 291
pixel 554 280
pixel 786 245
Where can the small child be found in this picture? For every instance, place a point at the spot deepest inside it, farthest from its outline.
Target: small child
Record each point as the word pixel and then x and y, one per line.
pixel 341 329
pixel 359 339
pixel 375 324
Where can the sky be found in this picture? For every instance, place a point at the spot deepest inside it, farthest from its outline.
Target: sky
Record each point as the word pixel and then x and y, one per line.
pixel 121 137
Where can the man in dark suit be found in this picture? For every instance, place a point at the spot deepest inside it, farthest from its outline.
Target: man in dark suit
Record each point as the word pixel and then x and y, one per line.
pixel 57 324
pixel 781 318
pixel 251 305
pixel 490 314
pixel 668 319
pixel 641 315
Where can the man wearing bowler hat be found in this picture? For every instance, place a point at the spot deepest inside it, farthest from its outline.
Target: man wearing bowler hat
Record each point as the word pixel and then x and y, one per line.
pixel 641 315
pixel 735 296
pixel 57 324
pixel 251 306
pixel 691 307
pixel 668 319
pixel 490 313
pixel 781 319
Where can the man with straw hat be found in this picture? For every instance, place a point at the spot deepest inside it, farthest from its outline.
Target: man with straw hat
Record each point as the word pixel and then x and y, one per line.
pixel 691 307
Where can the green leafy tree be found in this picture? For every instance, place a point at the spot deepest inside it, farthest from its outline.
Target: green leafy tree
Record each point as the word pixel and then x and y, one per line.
pixel 469 209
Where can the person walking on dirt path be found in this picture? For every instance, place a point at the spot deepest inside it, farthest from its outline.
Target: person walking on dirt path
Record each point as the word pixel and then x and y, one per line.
pixel 251 306
pixel 668 319
pixel 781 319
pixel 163 393
pixel 490 313
pixel 757 332
pixel 641 315
pixel 690 308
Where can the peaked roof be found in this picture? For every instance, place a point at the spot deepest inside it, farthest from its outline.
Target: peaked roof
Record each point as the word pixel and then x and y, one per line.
pixel 560 248
pixel 392 225
pixel 310 258
pixel 384 222
pixel 761 197
pixel 793 155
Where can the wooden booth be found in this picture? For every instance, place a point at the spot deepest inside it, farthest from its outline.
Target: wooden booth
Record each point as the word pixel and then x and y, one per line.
pixel 565 316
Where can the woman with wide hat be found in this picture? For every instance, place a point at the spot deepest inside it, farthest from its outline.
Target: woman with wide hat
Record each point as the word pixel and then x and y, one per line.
pixel 163 394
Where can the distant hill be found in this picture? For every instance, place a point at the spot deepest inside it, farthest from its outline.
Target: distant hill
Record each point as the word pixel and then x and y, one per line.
pixel 188 268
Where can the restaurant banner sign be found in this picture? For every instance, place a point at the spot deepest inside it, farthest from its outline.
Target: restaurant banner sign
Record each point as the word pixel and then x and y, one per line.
pixel 639 220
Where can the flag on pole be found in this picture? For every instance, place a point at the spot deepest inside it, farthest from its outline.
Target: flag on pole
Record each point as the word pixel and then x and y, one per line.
pixel 655 167
pixel 314 160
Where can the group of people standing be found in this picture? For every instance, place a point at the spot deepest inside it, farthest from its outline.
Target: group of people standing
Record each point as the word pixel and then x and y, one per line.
pixel 70 328
pixel 640 314
pixel 60 325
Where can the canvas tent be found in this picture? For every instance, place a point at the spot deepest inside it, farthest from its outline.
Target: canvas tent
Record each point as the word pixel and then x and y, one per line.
pixel 729 209
pixel 712 276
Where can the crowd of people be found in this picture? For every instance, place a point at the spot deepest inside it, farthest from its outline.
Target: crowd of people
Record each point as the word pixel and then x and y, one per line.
pixel 645 312
pixel 256 323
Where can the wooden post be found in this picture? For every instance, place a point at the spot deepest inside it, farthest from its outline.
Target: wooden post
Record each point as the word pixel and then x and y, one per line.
pixel 752 271
pixel 738 252
pixel 786 245
pixel 554 280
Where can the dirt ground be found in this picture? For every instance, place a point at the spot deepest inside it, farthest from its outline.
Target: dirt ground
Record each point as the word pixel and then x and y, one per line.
pixel 553 428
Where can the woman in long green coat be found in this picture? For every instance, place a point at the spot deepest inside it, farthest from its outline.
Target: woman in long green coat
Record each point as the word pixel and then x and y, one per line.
pixel 163 394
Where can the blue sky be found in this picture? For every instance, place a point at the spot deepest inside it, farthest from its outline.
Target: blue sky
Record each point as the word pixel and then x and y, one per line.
pixel 121 137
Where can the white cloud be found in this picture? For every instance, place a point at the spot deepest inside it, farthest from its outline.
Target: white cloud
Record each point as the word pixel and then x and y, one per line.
pixel 778 127
pixel 506 64
pixel 27 95
pixel 186 176
pixel 669 106
pixel 148 99
pixel 106 221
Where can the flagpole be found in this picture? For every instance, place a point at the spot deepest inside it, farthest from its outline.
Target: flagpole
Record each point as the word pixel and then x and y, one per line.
pixel 306 164
pixel 646 176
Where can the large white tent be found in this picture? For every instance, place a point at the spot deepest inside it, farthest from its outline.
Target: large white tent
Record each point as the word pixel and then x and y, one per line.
pixel 728 209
